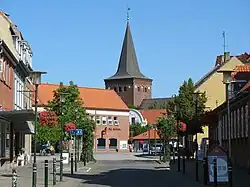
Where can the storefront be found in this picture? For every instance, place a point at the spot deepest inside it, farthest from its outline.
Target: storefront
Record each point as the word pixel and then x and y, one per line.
pixel 14 126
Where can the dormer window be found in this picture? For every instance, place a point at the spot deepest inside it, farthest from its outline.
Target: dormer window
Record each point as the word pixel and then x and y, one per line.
pixel 120 89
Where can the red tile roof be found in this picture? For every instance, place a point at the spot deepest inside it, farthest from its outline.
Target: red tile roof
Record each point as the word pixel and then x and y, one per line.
pixel 151 115
pixel 92 97
pixel 242 57
pixel 144 136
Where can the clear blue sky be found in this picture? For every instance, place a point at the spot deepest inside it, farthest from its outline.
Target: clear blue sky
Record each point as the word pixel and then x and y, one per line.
pixel 80 40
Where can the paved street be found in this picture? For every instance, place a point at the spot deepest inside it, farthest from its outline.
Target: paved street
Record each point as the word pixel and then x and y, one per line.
pixel 132 173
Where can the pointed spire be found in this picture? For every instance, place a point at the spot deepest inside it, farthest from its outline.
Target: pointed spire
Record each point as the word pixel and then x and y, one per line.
pixel 128 66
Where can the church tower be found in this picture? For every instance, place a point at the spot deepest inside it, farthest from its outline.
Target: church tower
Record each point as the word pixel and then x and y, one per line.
pixel 128 81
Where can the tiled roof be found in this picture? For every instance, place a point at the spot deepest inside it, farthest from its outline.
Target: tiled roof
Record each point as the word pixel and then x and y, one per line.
pixel 92 97
pixel 242 68
pixel 144 136
pixel 151 115
pixel 157 103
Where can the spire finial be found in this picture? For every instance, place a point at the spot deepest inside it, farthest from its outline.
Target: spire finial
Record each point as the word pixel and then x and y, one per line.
pixel 224 41
pixel 128 9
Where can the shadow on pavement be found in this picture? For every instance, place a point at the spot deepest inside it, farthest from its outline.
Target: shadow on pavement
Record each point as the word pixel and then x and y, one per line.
pixel 134 178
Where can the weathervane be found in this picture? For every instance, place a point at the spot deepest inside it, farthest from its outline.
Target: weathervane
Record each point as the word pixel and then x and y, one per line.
pixel 128 9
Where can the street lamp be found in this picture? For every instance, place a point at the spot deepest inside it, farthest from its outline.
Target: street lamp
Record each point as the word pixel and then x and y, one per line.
pixel 227 80
pixel 62 100
pixel 36 80
pixel 196 97
pixel 176 110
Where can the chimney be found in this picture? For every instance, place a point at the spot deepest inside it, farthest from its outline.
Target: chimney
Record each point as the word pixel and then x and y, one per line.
pixel 226 56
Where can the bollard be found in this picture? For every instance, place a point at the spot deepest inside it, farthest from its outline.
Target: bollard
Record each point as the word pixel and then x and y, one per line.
pixel 14 178
pixel 179 162
pixel 84 159
pixel 215 172
pixel 72 163
pixel 46 173
pixel 75 161
pixel 183 164
pixel 54 171
pixel 173 155
pixel 205 171
pixel 61 168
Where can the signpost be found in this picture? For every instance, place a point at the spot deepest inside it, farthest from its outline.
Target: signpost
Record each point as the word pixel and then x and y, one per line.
pixel 222 168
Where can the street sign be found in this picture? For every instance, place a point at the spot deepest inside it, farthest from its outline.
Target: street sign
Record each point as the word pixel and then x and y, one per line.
pixel 78 132
pixel 72 132
pixel 222 168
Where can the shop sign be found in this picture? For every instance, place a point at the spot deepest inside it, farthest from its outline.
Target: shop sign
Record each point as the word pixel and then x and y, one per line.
pixel 222 167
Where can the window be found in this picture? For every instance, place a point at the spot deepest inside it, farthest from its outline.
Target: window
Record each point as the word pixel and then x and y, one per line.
pixel 238 123
pixel 133 120
pixel 98 120
pixel 246 120
pixel 101 143
pixel 115 89
pixel 116 121
pixel 113 143
pixel 125 88
pixel 242 122
pixel 104 120
pixel 1 65
pixel 145 89
pixel 110 121
pixel 139 88
pixel 120 89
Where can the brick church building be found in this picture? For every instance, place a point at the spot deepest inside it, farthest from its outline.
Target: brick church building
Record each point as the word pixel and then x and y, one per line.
pixel 128 81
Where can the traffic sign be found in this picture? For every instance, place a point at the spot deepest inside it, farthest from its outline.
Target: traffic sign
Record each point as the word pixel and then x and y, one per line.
pixel 78 132
pixel 72 131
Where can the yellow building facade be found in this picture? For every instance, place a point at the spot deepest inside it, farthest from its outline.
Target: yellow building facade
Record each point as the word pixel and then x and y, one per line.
pixel 214 88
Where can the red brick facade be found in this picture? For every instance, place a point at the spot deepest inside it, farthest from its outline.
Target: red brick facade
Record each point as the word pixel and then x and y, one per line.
pixel 6 84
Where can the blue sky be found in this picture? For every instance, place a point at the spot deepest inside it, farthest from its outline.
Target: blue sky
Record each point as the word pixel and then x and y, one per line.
pixel 81 40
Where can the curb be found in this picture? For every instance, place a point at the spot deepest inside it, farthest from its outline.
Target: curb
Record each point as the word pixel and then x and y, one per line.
pixel 158 161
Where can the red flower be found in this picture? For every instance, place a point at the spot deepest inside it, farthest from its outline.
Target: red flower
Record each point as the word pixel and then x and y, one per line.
pixel 181 126
pixel 70 126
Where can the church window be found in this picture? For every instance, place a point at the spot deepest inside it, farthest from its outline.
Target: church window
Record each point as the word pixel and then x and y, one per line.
pixel 125 88
pixel 139 88
pixel 145 89
pixel 120 89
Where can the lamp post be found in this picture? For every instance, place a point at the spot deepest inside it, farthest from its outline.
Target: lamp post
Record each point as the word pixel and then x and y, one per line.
pixel 176 110
pixel 62 100
pixel 227 79
pixel 36 80
pixel 196 96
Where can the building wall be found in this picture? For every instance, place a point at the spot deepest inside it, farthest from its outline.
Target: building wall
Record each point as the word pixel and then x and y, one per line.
pixel 240 132
pixel 142 90
pixel 123 87
pixel 116 125
pixel 215 90
pixel 6 84
pixel 5 34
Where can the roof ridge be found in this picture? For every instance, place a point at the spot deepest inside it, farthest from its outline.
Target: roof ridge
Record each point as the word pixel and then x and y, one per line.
pixel 53 84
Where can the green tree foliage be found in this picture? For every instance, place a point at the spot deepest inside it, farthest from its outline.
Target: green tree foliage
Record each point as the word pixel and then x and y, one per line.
pixel 136 129
pixel 183 106
pixel 166 126
pixel 72 110
pixel 48 133
pixel 47 127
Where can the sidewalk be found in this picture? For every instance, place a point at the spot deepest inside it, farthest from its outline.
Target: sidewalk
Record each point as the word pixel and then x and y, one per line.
pixel 24 178
pixel 240 178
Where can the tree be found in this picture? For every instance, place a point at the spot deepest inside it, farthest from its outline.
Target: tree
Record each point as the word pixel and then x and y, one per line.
pixel 47 127
pixel 136 129
pixel 72 111
pixel 166 126
pixel 183 106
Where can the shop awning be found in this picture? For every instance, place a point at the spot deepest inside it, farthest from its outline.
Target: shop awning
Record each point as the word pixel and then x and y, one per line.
pixel 21 120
